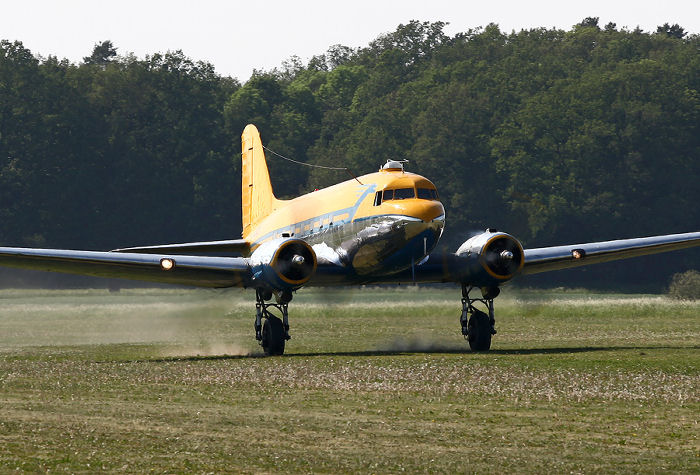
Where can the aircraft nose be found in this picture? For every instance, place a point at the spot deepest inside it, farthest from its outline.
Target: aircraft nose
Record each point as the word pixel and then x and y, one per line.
pixel 429 211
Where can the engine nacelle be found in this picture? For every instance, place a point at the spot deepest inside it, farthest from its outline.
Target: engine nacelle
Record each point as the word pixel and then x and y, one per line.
pixel 283 264
pixel 490 258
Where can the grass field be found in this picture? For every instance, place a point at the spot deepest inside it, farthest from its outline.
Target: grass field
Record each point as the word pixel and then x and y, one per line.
pixel 172 381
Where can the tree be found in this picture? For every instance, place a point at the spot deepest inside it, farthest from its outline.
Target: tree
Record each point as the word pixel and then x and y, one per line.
pixel 552 135
pixel 102 54
pixel 591 21
pixel 672 31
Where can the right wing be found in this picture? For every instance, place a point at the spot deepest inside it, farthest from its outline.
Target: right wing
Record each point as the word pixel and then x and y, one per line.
pixel 200 271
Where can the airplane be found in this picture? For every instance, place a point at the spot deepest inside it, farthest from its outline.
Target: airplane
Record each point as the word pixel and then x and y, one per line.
pixel 379 228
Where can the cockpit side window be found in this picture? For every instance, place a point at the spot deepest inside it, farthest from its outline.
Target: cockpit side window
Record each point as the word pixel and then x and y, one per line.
pixel 424 194
pixel 388 195
pixel 427 194
pixel 378 198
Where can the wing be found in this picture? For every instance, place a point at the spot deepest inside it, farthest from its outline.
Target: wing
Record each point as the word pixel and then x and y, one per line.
pixel 449 267
pixel 546 259
pixel 236 246
pixel 200 271
pixel 210 271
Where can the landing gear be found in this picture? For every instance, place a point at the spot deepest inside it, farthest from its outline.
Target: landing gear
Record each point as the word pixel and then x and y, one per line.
pixel 272 334
pixel 477 326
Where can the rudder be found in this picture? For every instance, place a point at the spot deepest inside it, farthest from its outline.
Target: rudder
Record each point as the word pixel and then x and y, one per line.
pixel 257 198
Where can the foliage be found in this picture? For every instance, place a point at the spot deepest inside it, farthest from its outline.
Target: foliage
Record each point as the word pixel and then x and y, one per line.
pixel 674 30
pixel 685 285
pixel 549 134
pixel 102 53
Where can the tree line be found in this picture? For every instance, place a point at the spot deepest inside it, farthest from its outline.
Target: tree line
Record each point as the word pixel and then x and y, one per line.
pixel 552 135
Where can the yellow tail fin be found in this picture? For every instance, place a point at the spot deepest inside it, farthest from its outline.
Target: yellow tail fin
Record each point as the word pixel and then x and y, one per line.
pixel 257 198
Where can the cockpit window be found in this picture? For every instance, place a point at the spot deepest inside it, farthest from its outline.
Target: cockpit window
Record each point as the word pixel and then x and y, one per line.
pixel 399 194
pixel 427 194
pixel 404 193
pixel 424 194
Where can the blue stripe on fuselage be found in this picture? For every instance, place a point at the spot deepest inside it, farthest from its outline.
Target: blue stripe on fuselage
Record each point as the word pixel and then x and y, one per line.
pixel 290 229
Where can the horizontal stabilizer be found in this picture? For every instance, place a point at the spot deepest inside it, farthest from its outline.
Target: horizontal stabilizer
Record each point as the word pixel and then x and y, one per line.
pixel 232 246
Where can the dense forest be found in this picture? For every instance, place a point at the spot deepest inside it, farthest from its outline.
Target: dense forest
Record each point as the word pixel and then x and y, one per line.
pixel 554 136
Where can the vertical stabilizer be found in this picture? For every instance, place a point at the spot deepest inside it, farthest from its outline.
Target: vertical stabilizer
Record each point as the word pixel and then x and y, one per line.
pixel 257 198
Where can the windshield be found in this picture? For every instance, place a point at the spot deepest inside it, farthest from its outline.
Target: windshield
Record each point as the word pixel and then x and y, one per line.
pixel 404 193
pixel 427 194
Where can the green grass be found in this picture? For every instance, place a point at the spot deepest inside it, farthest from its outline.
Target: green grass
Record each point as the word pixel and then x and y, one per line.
pixel 173 381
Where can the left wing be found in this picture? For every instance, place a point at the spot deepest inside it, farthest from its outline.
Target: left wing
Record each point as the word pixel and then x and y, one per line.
pixel 469 269
pixel 200 271
pixel 546 259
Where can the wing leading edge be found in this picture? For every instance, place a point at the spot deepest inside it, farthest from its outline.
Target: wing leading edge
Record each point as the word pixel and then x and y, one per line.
pixel 199 271
pixel 235 246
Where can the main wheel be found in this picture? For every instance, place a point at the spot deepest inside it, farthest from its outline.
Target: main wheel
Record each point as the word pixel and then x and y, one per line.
pixel 273 336
pixel 479 331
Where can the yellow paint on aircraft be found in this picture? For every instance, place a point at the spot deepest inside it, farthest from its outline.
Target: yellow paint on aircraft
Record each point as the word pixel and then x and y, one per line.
pixel 265 217
pixel 257 198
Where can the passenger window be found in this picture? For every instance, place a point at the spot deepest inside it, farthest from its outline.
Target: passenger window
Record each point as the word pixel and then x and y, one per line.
pixel 404 193
pixel 424 194
pixel 388 195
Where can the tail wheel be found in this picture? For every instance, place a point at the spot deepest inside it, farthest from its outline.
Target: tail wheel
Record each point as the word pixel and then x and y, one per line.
pixel 273 336
pixel 479 331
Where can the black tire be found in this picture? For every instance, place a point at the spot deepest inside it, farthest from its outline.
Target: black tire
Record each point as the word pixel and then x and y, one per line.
pixel 273 336
pixel 479 331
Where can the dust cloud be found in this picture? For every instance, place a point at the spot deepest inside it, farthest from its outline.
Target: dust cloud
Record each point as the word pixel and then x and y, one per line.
pixel 210 349
pixel 421 345
pixel 181 323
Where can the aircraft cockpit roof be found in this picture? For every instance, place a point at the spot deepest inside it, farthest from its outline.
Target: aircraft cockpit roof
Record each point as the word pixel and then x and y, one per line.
pixel 393 166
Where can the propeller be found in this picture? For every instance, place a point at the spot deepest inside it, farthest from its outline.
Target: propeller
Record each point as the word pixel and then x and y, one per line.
pixel 503 255
pixel 295 261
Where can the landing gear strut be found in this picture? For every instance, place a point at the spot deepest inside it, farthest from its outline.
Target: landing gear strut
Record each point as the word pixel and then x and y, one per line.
pixel 477 326
pixel 274 332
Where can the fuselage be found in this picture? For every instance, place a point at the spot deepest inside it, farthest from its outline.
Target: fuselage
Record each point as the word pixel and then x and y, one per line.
pixel 381 223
